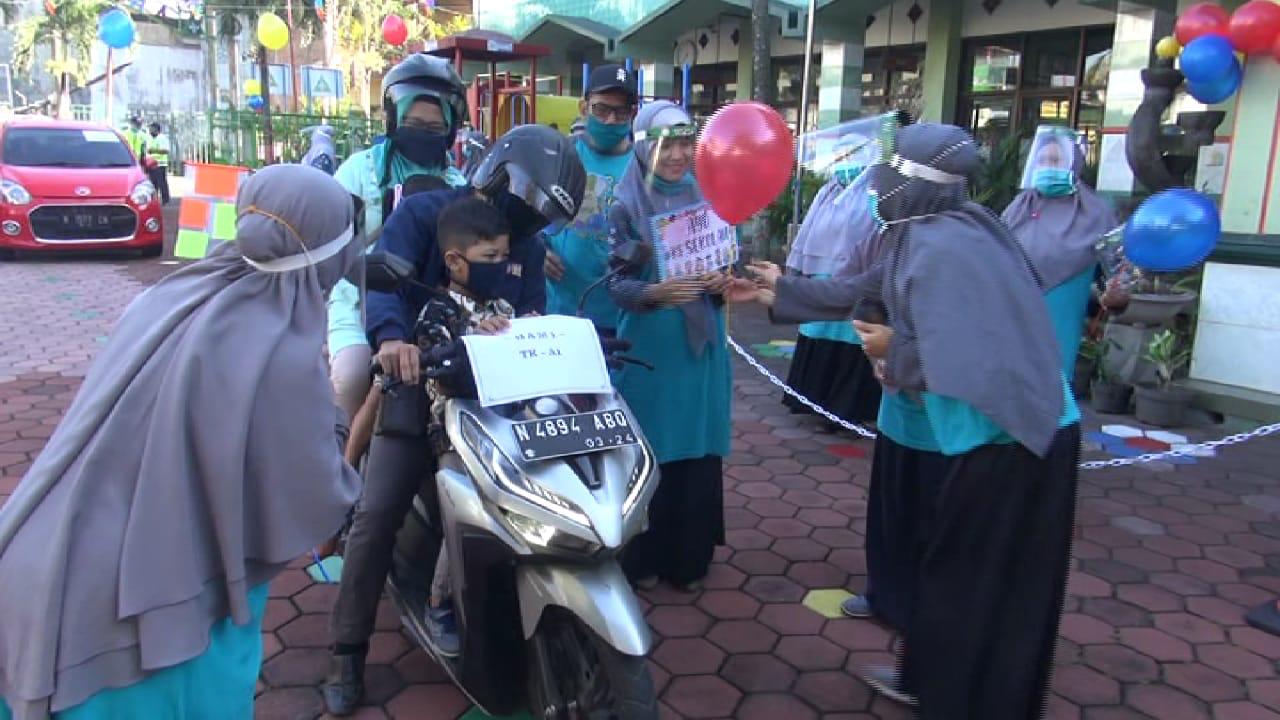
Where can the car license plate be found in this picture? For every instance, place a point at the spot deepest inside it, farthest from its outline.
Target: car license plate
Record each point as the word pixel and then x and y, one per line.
pixel 574 434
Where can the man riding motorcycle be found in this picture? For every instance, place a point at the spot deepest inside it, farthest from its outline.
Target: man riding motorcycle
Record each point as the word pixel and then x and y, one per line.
pixel 534 177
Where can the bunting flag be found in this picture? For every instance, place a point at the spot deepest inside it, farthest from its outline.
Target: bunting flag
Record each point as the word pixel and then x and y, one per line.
pixel 207 216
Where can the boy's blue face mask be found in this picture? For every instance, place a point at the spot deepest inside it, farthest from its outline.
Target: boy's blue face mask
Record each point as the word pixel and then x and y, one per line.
pixel 607 136
pixel 1054 182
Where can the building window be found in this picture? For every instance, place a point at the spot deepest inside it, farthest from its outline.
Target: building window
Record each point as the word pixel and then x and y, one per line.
pixel 1018 82
pixel 892 79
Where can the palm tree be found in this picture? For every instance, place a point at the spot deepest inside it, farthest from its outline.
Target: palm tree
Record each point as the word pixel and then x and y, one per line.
pixel 69 28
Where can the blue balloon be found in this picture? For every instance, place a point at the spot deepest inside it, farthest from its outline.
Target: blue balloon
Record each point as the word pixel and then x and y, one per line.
pixel 255 102
pixel 1172 230
pixel 1215 92
pixel 1208 58
pixel 115 29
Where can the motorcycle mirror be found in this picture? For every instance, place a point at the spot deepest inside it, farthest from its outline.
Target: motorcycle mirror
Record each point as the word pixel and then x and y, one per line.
pixel 385 272
pixel 632 255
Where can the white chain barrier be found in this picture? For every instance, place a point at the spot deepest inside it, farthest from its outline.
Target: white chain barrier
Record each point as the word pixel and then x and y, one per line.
pixel 1184 451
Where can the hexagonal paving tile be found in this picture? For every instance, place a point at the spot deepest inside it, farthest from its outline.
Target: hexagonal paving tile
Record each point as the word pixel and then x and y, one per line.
pixel 758 673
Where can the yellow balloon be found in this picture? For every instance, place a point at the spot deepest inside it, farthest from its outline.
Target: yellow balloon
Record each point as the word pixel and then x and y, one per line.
pixel 272 32
pixel 252 87
pixel 1168 48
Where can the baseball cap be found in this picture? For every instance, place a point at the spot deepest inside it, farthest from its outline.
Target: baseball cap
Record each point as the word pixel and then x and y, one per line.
pixel 612 77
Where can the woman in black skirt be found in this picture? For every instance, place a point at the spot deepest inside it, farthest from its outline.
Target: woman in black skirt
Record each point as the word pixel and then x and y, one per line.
pixel 976 491
pixel 838 234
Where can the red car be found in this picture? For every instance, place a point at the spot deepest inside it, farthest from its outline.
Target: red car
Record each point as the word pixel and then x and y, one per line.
pixel 74 185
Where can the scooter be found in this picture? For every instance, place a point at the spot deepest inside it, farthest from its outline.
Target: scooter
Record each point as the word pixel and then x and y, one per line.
pixel 534 501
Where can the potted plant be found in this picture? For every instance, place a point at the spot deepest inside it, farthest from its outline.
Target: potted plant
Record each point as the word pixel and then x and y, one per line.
pixel 1165 405
pixel 1155 298
pixel 1106 394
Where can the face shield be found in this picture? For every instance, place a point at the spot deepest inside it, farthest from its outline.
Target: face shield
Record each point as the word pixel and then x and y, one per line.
pixel 1051 161
pixel 654 141
pixel 843 149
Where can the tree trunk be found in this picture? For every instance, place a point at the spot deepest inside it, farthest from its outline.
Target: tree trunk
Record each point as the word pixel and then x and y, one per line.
pixel 330 31
pixel 761 65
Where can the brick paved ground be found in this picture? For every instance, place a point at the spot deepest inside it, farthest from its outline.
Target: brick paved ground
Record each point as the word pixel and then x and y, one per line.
pixel 1167 559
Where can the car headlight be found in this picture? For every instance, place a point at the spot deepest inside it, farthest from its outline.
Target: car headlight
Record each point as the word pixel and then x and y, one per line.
pixel 635 484
pixel 143 193
pixel 13 193
pixel 508 477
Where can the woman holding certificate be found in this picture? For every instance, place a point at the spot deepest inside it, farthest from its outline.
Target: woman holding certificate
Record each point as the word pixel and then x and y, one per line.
pixel 672 313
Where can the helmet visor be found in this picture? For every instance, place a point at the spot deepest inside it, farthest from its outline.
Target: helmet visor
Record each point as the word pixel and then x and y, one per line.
pixel 557 211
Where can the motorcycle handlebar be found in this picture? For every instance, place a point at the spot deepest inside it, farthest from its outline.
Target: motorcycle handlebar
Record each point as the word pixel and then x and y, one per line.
pixel 437 360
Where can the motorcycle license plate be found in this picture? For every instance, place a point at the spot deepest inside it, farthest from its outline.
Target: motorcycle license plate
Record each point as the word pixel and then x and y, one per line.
pixel 574 434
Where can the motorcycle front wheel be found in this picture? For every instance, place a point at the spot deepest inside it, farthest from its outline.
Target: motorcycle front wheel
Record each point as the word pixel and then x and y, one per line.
pixel 574 675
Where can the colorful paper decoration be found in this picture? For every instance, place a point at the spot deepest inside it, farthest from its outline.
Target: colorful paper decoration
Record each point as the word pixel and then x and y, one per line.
pixel 207 216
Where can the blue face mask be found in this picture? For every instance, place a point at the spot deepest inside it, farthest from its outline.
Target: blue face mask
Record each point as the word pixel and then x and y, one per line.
pixel 873 207
pixel 606 136
pixel 667 187
pixel 846 174
pixel 1054 182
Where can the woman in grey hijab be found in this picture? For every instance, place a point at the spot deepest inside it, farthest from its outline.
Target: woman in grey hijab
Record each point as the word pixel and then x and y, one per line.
pixel 201 456
pixel 678 326
pixel 973 482
pixel 837 237
pixel 1059 221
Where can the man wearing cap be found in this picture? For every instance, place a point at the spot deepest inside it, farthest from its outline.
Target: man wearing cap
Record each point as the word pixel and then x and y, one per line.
pixel 578 255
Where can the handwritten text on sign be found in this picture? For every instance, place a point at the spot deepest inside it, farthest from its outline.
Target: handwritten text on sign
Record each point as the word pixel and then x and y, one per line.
pixel 538 356
pixel 693 241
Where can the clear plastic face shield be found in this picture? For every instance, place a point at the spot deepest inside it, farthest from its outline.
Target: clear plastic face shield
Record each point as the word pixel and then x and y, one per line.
pixel 1051 159
pixel 680 140
pixel 848 151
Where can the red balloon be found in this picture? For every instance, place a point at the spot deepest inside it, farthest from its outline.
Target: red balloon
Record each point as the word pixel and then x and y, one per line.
pixel 744 159
pixel 394 30
pixel 1201 19
pixel 1254 25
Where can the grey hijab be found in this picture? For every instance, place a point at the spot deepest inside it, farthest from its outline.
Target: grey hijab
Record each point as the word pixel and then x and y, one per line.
pixel 838 236
pixel 959 287
pixel 200 457
pixel 1059 233
pixel 639 202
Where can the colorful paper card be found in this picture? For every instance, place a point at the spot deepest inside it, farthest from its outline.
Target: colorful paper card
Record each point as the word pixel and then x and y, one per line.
pixel 224 221
pixel 193 214
pixel 222 181
pixel 192 244
pixel 693 241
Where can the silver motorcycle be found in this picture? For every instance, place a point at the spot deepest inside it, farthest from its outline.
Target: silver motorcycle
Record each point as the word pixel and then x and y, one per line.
pixel 534 501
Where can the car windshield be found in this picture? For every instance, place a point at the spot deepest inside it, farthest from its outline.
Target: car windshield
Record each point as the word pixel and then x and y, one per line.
pixel 64 147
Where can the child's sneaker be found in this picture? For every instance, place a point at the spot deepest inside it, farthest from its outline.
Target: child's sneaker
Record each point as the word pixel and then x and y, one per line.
pixel 443 627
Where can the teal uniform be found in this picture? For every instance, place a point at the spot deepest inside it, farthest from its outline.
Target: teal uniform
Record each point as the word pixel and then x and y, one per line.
pixel 683 404
pixel 934 423
pixel 583 245
pixel 1067 304
pixel 837 330
pixel 217 685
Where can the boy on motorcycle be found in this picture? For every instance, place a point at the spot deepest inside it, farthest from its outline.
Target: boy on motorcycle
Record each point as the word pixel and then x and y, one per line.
pixel 534 178
pixel 475 242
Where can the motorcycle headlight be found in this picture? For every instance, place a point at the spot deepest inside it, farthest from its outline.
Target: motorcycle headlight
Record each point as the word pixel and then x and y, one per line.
pixel 508 477
pixel 540 534
pixel 143 193
pixel 13 193
pixel 635 483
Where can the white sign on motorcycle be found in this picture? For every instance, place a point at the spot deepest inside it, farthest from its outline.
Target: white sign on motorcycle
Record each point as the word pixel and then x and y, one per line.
pixel 551 355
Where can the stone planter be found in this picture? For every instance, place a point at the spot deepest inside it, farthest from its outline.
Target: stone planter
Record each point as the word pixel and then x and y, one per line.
pixel 1154 310
pixel 1109 398
pixel 1162 407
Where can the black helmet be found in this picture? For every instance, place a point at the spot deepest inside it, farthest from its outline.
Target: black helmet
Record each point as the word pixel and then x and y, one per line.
pixel 539 166
pixel 434 77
